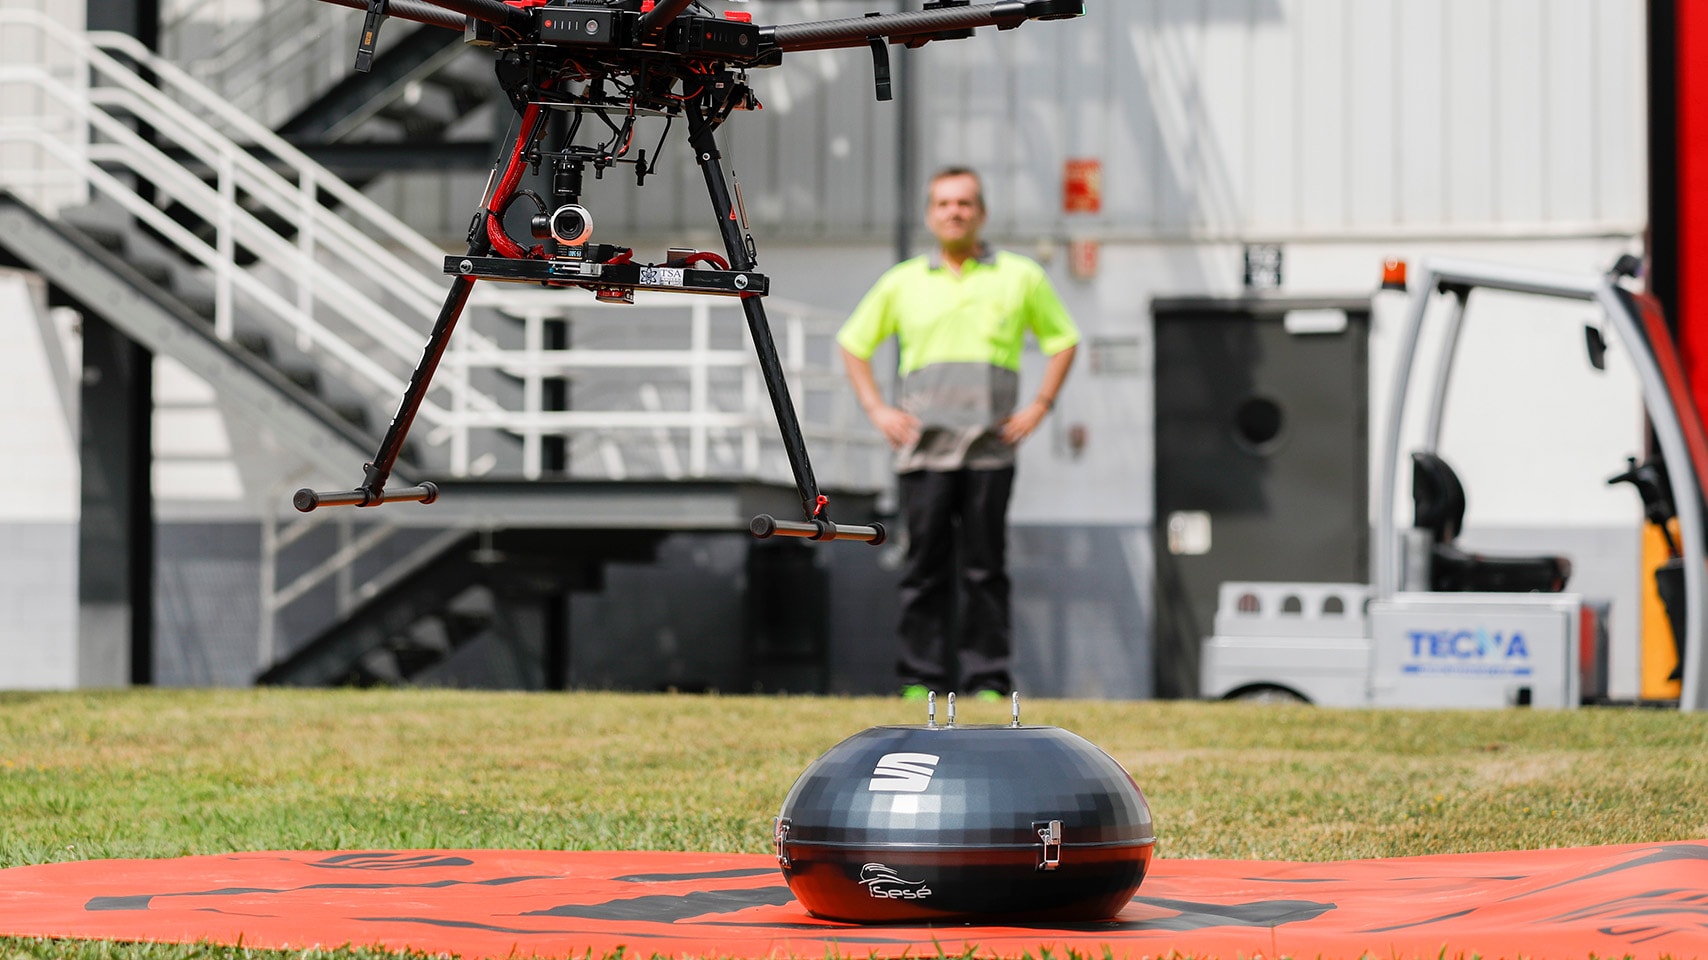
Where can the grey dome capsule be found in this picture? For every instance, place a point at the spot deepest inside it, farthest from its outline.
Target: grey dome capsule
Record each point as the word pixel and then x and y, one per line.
pixel 935 822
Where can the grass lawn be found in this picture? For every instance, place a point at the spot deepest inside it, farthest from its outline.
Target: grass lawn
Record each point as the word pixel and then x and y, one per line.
pixel 156 773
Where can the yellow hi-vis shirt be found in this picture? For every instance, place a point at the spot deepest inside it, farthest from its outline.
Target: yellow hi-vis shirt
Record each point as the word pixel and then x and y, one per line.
pixel 961 337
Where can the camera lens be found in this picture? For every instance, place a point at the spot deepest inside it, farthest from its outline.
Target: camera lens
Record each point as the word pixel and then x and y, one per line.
pixel 571 224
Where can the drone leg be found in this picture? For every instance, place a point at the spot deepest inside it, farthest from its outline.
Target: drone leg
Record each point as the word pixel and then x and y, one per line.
pixel 372 492
pixel 817 525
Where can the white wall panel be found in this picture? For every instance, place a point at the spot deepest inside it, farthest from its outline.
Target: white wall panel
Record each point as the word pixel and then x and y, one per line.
pixel 1519 100
pixel 1221 120
pixel 1225 79
pixel 1272 117
pixel 1419 66
pixel 1134 145
pixel 1323 93
pixel 38 494
pixel 1468 111
pixel 1088 58
pixel 1619 107
pixel 854 127
pixel 1570 190
pixel 1177 95
pixel 1373 116
pixel 799 173
pixel 1039 81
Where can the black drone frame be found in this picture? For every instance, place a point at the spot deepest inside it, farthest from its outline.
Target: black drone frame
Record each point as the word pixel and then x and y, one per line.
pixel 619 59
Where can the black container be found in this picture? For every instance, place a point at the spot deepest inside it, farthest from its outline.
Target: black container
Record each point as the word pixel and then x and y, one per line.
pixel 933 822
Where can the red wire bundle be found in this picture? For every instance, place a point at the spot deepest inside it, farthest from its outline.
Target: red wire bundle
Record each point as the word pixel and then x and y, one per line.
pixel 501 241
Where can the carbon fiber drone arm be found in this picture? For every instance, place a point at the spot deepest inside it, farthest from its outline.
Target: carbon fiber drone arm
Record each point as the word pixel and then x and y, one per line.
pixel 417 10
pixel 903 27
pixel 660 16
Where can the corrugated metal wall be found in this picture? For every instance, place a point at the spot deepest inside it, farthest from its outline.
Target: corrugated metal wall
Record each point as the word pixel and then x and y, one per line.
pixel 1213 119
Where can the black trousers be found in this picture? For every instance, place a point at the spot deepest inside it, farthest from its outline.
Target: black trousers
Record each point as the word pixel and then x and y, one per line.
pixel 952 516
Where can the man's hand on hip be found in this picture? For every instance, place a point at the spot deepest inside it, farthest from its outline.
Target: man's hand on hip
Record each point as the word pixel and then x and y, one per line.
pixel 898 426
pixel 1022 422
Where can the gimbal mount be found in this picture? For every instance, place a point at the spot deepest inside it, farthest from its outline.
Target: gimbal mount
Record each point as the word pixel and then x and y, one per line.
pixel 612 61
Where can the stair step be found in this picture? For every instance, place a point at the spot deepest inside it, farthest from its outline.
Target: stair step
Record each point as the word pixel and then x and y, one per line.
pixel 354 414
pixel 416 124
pixel 255 342
pixel 154 271
pixel 307 378
pixel 105 234
pixel 201 304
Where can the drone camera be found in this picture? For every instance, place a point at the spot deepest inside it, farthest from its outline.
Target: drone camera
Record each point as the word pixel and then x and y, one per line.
pixel 570 224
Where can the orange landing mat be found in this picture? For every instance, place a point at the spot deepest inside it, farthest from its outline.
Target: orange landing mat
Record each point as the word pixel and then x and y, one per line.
pixel 1642 900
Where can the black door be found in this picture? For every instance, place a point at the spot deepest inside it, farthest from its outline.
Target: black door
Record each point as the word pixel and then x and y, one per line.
pixel 1262 457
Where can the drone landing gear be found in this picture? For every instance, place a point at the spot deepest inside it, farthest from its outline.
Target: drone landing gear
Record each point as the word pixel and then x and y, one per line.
pixel 376 472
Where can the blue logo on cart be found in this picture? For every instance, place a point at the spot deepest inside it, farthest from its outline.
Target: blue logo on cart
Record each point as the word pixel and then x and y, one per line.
pixel 1468 652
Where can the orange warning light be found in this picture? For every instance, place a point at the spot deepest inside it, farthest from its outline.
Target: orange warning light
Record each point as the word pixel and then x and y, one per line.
pixel 1393 274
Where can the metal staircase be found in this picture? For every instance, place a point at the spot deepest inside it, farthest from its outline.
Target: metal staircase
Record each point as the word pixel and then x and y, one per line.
pixel 427 103
pixel 203 235
pixel 268 62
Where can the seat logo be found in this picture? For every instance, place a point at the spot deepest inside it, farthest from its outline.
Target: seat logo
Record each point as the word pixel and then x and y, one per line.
pixel 903 773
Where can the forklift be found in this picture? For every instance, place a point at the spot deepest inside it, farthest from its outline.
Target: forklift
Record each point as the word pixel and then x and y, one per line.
pixel 1441 626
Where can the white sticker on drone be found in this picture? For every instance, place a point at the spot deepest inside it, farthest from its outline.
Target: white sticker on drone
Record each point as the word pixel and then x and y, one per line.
pixel 903 773
pixel 661 276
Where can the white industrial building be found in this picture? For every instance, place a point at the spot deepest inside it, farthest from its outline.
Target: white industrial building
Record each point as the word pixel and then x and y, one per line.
pixel 1249 161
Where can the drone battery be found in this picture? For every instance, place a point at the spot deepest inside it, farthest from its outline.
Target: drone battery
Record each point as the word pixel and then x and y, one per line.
pixel 579 25
pixel 705 35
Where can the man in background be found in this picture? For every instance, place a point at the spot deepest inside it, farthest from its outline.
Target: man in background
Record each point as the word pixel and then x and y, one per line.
pixel 959 316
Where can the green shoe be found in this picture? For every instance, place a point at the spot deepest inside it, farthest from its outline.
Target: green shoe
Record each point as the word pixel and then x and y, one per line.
pixel 989 696
pixel 915 691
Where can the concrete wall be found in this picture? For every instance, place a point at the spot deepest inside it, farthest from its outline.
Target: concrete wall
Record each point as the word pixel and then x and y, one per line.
pixel 38 494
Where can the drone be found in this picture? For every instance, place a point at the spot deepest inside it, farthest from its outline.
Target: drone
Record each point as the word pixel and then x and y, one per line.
pixel 603 64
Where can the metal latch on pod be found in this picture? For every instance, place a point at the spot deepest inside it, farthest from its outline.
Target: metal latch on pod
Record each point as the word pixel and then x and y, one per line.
pixel 1051 834
pixel 780 837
